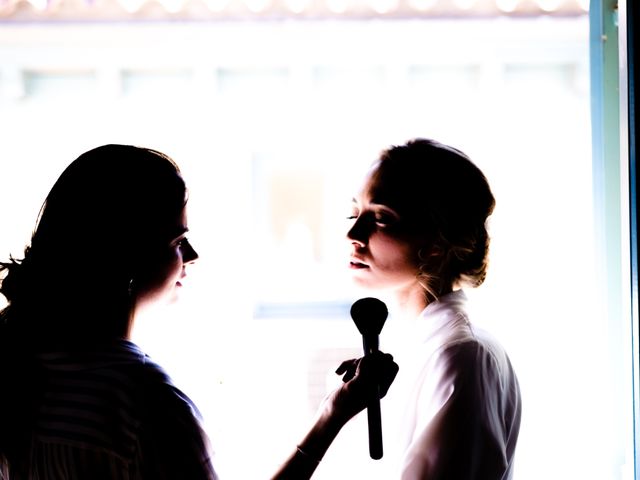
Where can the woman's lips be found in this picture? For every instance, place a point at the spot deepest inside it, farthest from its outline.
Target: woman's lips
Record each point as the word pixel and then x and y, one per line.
pixel 357 264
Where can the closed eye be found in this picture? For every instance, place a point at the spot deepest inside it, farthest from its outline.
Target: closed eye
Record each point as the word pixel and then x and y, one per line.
pixel 354 213
pixel 385 217
pixel 180 241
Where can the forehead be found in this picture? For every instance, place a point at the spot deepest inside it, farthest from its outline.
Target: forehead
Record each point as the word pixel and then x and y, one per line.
pixel 389 186
pixel 179 223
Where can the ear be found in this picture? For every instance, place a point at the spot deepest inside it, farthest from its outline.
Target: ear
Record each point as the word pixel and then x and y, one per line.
pixel 431 252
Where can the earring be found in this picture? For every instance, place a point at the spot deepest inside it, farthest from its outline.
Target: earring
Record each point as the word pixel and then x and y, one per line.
pixel 130 288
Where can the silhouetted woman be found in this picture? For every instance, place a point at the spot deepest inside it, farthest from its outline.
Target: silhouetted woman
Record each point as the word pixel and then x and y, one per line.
pixel 78 399
pixel 418 237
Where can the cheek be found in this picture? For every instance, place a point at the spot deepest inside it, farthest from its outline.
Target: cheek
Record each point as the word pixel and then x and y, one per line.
pixel 397 255
pixel 163 270
pixel 172 266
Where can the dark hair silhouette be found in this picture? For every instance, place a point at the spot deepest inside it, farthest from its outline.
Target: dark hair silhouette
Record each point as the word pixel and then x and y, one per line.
pixel 441 193
pixel 79 397
pixel 98 230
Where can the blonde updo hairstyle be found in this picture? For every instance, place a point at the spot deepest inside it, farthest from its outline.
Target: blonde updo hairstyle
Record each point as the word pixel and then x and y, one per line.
pixel 444 200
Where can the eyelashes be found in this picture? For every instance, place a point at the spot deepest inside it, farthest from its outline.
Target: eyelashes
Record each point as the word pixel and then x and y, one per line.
pixel 381 219
pixel 385 219
pixel 182 242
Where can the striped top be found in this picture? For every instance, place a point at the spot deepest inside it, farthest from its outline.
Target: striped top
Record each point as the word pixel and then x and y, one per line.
pixel 113 414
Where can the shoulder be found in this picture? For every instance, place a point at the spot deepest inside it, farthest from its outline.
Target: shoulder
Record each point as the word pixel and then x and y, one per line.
pixel 483 380
pixel 155 387
pixel 457 344
pixel 478 354
pixel 172 441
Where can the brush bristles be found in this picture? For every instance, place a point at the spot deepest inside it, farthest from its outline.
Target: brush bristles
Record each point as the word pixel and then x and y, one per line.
pixel 369 315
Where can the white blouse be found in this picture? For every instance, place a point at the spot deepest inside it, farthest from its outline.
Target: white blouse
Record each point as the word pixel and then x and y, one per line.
pixel 456 405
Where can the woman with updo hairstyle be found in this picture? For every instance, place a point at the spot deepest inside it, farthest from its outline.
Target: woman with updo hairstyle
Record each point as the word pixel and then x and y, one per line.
pixel 418 239
pixel 79 399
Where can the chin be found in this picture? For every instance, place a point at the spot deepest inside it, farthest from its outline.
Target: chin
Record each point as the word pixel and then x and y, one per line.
pixel 173 298
pixel 364 283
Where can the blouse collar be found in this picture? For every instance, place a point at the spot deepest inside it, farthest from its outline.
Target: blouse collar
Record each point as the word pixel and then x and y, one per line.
pixel 442 317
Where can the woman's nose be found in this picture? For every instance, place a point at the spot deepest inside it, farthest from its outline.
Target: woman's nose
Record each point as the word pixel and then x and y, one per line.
pixel 189 254
pixel 359 232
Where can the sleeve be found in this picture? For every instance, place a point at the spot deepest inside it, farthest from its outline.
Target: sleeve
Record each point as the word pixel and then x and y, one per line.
pixel 173 445
pixel 458 438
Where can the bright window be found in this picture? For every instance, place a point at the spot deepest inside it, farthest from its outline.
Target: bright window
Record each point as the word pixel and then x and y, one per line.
pixel 272 123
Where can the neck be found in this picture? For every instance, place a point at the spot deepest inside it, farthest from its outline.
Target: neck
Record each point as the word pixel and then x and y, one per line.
pixel 408 303
pixel 411 302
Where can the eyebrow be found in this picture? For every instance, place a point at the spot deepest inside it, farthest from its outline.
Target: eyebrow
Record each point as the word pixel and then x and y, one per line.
pixel 178 231
pixel 382 206
pixel 373 202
